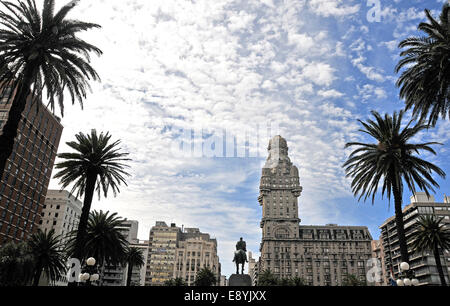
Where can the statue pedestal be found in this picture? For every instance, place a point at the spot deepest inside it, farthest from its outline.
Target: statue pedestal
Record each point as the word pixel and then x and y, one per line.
pixel 240 280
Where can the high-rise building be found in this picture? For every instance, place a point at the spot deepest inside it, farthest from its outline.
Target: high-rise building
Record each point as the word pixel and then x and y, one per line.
pixel 24 184
pixel 252 268
pixel 378 253
pixel 195 251
pixel 162 246
pixel 321 255
pixel 61 212
pixel 138 273
pixel 179 253
pixel 422 264
pixel 116 275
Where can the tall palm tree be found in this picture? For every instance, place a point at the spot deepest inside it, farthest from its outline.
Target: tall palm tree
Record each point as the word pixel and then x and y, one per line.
pixel 431 234
pixel 48 255
pixel 391 161
pixel 37 52
pixel 104 239
pixel 97 165
pixel 16 264
pixel 134 258
pixel 425 83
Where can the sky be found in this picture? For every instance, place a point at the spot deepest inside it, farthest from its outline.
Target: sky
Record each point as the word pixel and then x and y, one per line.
pixel 306 69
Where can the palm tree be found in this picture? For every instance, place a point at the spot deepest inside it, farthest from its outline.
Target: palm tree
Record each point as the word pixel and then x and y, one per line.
pixel 16 264
pixel 267 278
pixel 97 165
pixel 48 255
pixel 298 282
pixel 391 161
pixel 205 278
pixel 431 234
pixel 37 52
pixel 425 83
pixel 104 239
pixel 134 258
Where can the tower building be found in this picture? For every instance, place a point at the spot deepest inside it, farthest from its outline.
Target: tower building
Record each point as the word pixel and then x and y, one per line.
pixel 321 255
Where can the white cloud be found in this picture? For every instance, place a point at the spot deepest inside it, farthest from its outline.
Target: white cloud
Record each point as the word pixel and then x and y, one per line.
pixel 335 8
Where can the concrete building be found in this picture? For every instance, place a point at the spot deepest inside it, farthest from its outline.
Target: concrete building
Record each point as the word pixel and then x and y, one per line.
pixel 162 248
pixel 24 184
pixel 378 253
pixel 223 281
pixel 252 268
pixel 117 275
pixel 179 253
pixel 321 255
pixel 138 274
pixel 61 212
pixel 195 251
pixel 423 265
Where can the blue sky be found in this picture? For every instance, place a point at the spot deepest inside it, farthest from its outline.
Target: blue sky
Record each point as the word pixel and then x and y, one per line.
pixel 310 68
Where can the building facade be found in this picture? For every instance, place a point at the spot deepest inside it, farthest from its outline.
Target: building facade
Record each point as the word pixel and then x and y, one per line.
pixel 378 254
pixel 179 253
pixel 138 274
pixel 252 268
pixel 116 275
pixel 195 251
pixel 423 265
pixel 61 212
pixel 23 187
pixel 162 248
pixel 321 255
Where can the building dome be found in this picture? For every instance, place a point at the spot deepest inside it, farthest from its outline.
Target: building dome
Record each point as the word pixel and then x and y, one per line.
pixel 278 142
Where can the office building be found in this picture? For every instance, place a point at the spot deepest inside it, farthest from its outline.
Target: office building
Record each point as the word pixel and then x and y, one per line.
pixel 23 187
pixel 423 265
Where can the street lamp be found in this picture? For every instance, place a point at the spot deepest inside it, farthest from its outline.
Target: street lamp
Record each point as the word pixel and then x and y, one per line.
pixel 90 274
pixel 404 279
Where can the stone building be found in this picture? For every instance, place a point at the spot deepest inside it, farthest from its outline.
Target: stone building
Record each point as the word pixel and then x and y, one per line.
pixel 195 251
pixel 112 275
pixel 24 184
pixel 423 265
pixel 321 255
pixel 179 253
pixel 378 253
pixel 61 212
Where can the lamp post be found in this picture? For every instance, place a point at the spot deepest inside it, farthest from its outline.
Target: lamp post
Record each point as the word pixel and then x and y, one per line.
pixel 406 276
pixel 90 273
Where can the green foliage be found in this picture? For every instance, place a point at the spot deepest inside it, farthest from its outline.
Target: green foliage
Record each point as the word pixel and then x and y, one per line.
pixel 351 280
pixel 391 160
pixel 104 240
pixel 205 278
pixel 49 256
pixel 95 155
pixel 267 278
pixel 46 45
pixel 177 282
pixel 16 264
pixel 134 258
pixel 425 82
pixel 431 234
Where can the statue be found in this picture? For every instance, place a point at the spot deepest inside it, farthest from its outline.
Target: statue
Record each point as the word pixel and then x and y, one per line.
pixel 240 256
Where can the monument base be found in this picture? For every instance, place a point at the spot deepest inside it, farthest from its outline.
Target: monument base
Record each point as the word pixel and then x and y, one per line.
pixel 240 280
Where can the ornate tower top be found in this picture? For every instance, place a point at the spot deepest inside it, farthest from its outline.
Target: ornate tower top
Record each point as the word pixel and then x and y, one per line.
pixel 278 152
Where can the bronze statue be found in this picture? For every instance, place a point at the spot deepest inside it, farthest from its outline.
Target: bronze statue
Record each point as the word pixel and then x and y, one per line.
pixel 240 256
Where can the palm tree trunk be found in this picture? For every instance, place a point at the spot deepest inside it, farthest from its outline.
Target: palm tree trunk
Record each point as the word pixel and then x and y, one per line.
pixel 400 223
pixel 129 274
pixel 7 137
pixel 437 258
pixel 37 274
pixel 82 226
